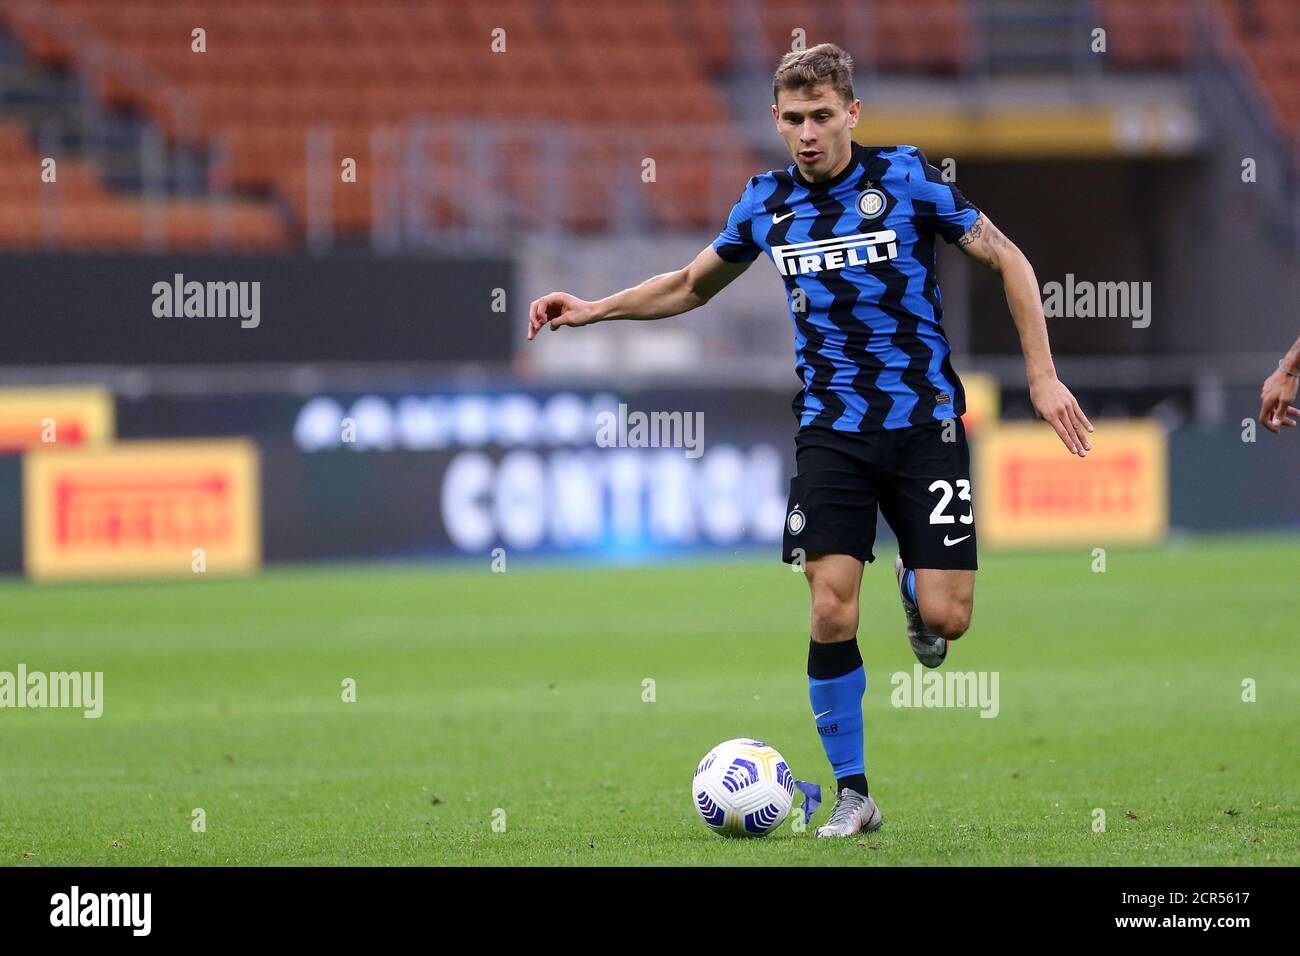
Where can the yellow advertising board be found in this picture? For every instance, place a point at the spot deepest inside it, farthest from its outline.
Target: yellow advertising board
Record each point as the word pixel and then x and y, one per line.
pixel 143 509
pixel 1031 492
pixel 54 419
pixel 983 401
pixel 1011 131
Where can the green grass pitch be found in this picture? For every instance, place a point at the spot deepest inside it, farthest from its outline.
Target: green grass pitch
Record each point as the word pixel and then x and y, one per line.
pixel 523 692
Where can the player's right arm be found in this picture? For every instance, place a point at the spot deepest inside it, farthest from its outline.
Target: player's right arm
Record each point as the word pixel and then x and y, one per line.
pixel 663 295
pixel 658 297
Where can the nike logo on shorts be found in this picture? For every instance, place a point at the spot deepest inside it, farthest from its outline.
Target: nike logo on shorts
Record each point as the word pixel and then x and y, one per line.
pixel 955 541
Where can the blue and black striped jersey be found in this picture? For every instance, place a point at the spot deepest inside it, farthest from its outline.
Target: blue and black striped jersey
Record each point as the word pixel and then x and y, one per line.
pixel 857 255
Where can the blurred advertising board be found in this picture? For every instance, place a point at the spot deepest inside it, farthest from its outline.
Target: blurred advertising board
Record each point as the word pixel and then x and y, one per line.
pixel 33 419
pixel 554 472
pixel 1030 492
pixel 983 401
pixel 446 471
pixel 149 508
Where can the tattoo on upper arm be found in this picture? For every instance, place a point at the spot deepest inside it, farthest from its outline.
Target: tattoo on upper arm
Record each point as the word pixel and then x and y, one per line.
pixel 983 242
pixel 974 232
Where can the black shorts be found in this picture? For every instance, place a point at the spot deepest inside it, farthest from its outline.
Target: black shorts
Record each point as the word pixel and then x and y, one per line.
pixel 917 479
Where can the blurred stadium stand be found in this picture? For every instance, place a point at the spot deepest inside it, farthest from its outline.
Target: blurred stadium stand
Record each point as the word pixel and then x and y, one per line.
pixel 411 91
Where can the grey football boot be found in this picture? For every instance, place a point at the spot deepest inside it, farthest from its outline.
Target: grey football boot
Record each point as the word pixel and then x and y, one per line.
pixel 853 814
pixel 930 649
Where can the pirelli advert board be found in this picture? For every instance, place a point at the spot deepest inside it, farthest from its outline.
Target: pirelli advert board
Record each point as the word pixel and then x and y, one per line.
pixel 1030 492
pixel 143 509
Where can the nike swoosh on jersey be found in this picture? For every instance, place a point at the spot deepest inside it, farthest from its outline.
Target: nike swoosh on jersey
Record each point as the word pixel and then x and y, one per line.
pixel 955 541
pixel 776 219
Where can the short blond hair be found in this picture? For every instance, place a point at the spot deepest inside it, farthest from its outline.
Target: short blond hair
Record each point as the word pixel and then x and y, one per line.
pixel 807 69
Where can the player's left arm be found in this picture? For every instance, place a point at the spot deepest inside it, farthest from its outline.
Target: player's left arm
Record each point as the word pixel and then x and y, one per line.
pixel 986 244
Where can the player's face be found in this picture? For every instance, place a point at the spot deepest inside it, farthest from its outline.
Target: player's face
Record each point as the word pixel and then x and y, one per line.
pixel 817 126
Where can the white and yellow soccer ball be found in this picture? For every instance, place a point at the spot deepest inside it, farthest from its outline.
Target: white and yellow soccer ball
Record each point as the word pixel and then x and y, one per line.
pixel 743 787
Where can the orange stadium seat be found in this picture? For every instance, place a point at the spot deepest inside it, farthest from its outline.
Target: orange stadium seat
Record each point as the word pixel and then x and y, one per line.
pixel 1155 34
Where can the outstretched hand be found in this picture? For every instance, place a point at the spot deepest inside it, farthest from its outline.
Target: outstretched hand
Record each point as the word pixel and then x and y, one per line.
pixel 558 309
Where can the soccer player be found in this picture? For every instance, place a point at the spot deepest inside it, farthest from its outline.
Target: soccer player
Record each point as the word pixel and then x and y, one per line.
pixel 852 229
pixel 1275 398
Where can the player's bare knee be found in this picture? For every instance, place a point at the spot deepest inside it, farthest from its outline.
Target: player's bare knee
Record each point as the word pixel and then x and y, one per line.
pixel 950 620
pixel 834 618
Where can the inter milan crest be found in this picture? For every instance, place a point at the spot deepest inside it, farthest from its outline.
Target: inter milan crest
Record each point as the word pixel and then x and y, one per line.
pixel 796 521
pixel 871 203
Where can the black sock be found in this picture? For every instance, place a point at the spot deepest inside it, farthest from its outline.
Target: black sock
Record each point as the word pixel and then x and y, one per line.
pixel 829 661
pixel 857 781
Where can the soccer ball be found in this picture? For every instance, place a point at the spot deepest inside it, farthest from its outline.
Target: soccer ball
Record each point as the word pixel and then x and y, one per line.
pixel 743 787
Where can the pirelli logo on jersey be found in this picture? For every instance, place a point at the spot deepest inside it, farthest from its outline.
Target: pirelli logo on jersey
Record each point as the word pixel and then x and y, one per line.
pixel 824 255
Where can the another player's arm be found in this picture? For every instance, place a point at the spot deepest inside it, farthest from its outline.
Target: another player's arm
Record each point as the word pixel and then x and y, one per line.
pixel 658 297
pixel 1276 397
pixel 986 244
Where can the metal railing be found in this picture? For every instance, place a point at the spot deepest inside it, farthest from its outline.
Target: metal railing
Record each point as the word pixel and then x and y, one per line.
pixel 1233 104
pixel 190 163
pixel 476 185
pixel 99 60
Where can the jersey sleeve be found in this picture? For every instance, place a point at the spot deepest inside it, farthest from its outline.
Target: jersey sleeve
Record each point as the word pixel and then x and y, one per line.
pixel 736 241
pixel 937 206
